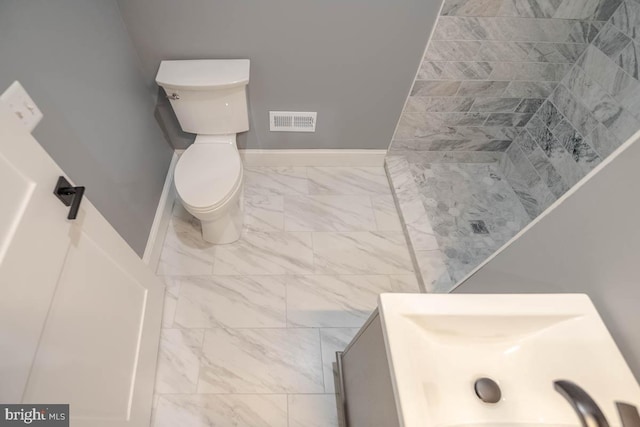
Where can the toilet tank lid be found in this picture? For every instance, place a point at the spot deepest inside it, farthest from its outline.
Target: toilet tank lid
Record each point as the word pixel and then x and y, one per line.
pixel 203 73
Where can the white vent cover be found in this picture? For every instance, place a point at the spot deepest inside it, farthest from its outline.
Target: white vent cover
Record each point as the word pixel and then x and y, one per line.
pixel 292 121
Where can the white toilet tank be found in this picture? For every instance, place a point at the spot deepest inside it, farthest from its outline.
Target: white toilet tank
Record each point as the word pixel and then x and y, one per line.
pixel 209 95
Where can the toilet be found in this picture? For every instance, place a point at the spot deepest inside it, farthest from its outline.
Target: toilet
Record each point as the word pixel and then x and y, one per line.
pixel 209 99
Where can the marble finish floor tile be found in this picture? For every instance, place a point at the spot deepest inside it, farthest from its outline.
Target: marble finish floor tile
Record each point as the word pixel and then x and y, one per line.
pixel 179 360
pixel 386 214
pixel 265 181
pixel 259 253
pixel 328 213
pixel 326 301
pixel 184 252
pixel 221 410
pixel 231 302
pixel 347 180
pixel 360 252
pixel 313 410
pixel 250 329
pixel 261 361
pixel 332 340
pixel 264 213
pixel 172 289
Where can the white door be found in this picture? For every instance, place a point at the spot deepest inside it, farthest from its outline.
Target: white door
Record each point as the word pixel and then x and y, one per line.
pixel 79 311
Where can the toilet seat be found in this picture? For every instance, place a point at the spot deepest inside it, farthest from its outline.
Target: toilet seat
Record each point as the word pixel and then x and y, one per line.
pixel 207 175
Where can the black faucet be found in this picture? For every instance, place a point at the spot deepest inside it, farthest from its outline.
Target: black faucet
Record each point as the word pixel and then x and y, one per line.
pixel 588 411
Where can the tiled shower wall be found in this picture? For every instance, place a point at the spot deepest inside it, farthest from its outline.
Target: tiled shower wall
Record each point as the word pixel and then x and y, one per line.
pixel 546 88
pixel 591 113
pixel 489 66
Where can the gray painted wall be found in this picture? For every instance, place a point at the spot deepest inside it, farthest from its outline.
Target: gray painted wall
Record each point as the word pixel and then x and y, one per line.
pixel 77 62
pixel 352 62
pixel 590 244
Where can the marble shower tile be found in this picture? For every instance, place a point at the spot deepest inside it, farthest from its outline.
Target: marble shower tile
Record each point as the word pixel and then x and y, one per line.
pixel 333 301
pixel 628 60
pixel 557 52
pixel 350 181
pixel 440 50
pixel 603 107
pixel 386 214
pixel 611 41
pixel 265 254
pixel 467 70
pixel 574 143
pixel 434 272
pixel 398 169
pixel 529 8
pixel 603 141
pixel 624 125
pixel 313 410
pixel 529 71
pixel 405 283
pixel 605 9
pixel 264 181
pixel 360 252
pixel 464 28
pixel 264 213
pixel 482 88
pixel 431 70
pixel 471 7
pixel 240 410
pixel 179 360
pixel 537 129
pixel 549 115
pixel 547 172
pixel 584 31
pixel 624 88
pixel 332 340
pixel 529 105
pixel 434 104
pixel 573 110
pixel 421 234
pixel 231 302
pixel 533 30
pixel 261 361
pixel 504 51
pixel 434 88
pixel 518 153
pixel 598 10
pixel 508 119
pixel 328 213
pixel 529 89
pixel 627 19
pixel 496 105
pixel 448 147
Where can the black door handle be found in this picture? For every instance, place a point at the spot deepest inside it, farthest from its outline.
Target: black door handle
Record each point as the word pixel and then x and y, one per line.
pixel 70 196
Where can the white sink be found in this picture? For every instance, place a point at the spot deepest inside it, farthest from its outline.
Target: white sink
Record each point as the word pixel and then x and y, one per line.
pixel 439 345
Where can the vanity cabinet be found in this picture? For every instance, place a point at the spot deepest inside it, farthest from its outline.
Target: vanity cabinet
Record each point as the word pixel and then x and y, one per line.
pixel 366 391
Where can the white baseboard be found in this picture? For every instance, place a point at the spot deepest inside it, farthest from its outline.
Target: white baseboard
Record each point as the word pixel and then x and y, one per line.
pixel 161 220
pixel 311 157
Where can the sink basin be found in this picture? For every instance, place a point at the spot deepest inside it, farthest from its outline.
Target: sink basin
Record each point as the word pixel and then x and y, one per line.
pixel 439 345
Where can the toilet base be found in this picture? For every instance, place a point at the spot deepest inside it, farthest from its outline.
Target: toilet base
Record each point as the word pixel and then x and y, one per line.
pixel 227 228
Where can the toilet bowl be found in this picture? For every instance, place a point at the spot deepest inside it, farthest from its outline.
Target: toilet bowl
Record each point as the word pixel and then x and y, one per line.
pixel 209 99
pixel 208 181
